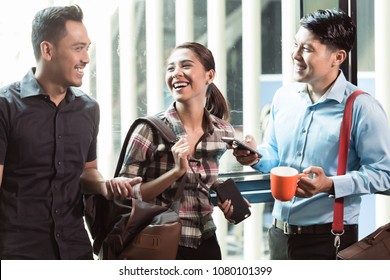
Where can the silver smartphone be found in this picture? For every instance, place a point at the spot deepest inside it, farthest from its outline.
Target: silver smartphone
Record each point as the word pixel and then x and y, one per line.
pixel 240 145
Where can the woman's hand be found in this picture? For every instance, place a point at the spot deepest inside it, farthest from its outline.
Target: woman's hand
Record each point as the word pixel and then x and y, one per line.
pixel 181 153
pixel 227 208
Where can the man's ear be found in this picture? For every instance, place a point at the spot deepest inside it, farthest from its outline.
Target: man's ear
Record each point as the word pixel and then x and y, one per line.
pixel 46 50
pixel 340 56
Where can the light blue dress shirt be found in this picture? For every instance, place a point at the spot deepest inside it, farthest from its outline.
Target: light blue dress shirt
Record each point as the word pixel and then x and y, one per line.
pixel 302 134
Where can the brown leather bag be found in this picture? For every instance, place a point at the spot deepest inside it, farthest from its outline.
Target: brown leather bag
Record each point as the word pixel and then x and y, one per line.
pixel 131 228
pixel 142 231
pixel 375 246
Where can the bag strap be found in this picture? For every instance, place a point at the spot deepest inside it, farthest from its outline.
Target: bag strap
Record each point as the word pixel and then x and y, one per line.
pixel 345 137
pixel 157 124
pixel 166 133
pixel 203 185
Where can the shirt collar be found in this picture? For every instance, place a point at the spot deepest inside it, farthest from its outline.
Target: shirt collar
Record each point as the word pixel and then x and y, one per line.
pixel 335 92
pixel 338 89
pixel 178 127
pixel 29 86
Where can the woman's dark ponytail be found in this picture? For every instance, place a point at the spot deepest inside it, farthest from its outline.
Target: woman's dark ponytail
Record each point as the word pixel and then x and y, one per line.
pixel 216 103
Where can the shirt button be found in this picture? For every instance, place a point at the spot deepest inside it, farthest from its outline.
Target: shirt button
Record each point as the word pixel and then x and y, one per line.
pixel 57 235
pixel 59 163
pixel 299 154
pixel 303 130
pixel 59 136
pixel 57 211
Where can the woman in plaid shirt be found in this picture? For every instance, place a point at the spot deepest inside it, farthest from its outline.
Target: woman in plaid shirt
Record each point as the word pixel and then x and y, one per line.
pixel 199 117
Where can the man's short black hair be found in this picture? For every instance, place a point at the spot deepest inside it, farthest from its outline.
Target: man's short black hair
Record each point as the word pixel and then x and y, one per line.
pixel 49 25
pixel 333 28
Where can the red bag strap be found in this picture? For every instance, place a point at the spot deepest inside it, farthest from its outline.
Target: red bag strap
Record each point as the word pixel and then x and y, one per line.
pixel 345 136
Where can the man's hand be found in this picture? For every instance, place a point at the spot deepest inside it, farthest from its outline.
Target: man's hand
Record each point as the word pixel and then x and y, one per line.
pixel 120 187
pixel 245 157
pixel 308 187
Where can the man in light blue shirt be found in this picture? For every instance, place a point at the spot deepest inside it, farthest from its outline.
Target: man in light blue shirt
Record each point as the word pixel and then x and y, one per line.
pixel 304 133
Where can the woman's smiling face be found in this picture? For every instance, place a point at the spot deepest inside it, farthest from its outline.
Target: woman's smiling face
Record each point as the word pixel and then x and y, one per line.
pixel 186 77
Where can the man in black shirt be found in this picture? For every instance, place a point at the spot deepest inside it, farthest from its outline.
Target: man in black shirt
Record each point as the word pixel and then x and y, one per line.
pixel 48 136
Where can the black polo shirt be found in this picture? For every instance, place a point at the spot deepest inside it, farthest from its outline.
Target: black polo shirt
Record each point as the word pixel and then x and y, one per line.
pixel 43 149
